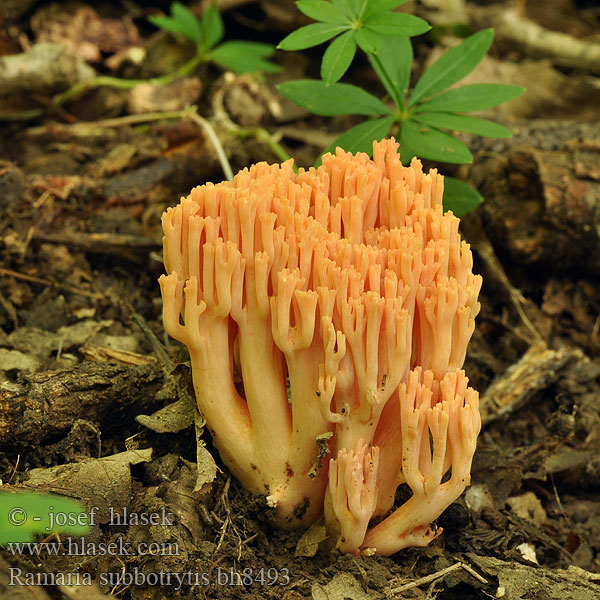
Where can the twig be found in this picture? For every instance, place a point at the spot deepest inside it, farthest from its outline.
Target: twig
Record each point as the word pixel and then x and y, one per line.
pixel 32 279
pixel 24 115
pixel 438 575
pixel 557 498
pixel 469 569
pixel 190 112
pixel 14 469
pixel 159 349
pixel 258 133
pixel 133 119
pixel 480 243
pixel 101 243
pixel 561 48
pixel 193 115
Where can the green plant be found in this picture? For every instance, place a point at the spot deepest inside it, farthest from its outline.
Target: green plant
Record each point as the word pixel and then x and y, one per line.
pixel 206 32
pixel 353 23
pixel 421 119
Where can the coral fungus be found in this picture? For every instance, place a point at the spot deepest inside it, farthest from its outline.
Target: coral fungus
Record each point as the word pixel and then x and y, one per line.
pixel 344 299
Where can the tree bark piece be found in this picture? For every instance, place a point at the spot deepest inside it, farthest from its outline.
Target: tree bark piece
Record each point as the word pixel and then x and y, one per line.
pixel 542 196
pixel 47 404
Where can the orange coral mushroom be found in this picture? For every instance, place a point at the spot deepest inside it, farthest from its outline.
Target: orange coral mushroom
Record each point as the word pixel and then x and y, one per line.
pixel 329 286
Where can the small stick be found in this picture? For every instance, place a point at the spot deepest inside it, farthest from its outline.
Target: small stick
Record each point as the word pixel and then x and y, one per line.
pixel 438 575
pixel 157 347
pixel 32 279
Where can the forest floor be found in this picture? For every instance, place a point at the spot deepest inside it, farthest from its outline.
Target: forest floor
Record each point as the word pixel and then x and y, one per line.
pixel 82 189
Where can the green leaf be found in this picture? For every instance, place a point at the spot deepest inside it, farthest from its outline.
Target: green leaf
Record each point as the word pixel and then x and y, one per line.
pixel 25 515
pixel 187 20
pixel 323 11
pixel 213 26
pixel 376 7
pixel 452 66
pixel 172 25
pixel 477 96
pixel 397 24
pixel 244 57
pixel 311 35
pixel 444 120
pixel 406 152
pixel 360 138
pixel 393 64
pixel 460 197
pixel 354 6
pixel 337 57
pixel 335 99
pixel 368 40
pixel 344 7
pixel 431 143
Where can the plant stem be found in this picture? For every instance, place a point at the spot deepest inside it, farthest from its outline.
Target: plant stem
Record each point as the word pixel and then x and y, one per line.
pixel 262 135
pixel 127 84
pixel 388 80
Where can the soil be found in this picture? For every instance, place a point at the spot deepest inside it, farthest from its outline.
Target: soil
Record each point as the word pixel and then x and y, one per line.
pixel 85 365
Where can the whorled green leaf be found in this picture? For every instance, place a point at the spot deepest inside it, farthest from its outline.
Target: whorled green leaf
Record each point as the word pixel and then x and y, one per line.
pixel 407 153
pixel 453 122
pixel 23 516
pixel 345 7
pixel 460 197
pixel 393 64
pixel 368 41
pixel 244 57
pixel 166 23
pixel 397 24
pixel 172 25
pixel 433 144
pixel 335 99
pixel 190 25
pixel 354 5
pixel 453 65
pixel 321 10
pixel 213 27
pixel 376 7
pixel 311 35
pixel 337 57
pixel 468 98
pixel 360 138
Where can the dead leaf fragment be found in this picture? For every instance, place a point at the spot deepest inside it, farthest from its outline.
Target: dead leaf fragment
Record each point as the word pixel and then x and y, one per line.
pixel 13 360
pixel 528 507
pixel 104 483
pixel 172 418
pixel 101 353
pixel 83 30
pixel 342 587
pixel 308 544
pixel 178 94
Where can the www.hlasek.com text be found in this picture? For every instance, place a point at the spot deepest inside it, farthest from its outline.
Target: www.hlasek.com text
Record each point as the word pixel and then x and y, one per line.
pixel 85 547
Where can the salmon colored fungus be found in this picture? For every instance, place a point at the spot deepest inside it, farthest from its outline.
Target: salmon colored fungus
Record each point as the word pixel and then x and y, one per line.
pixel 343 299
